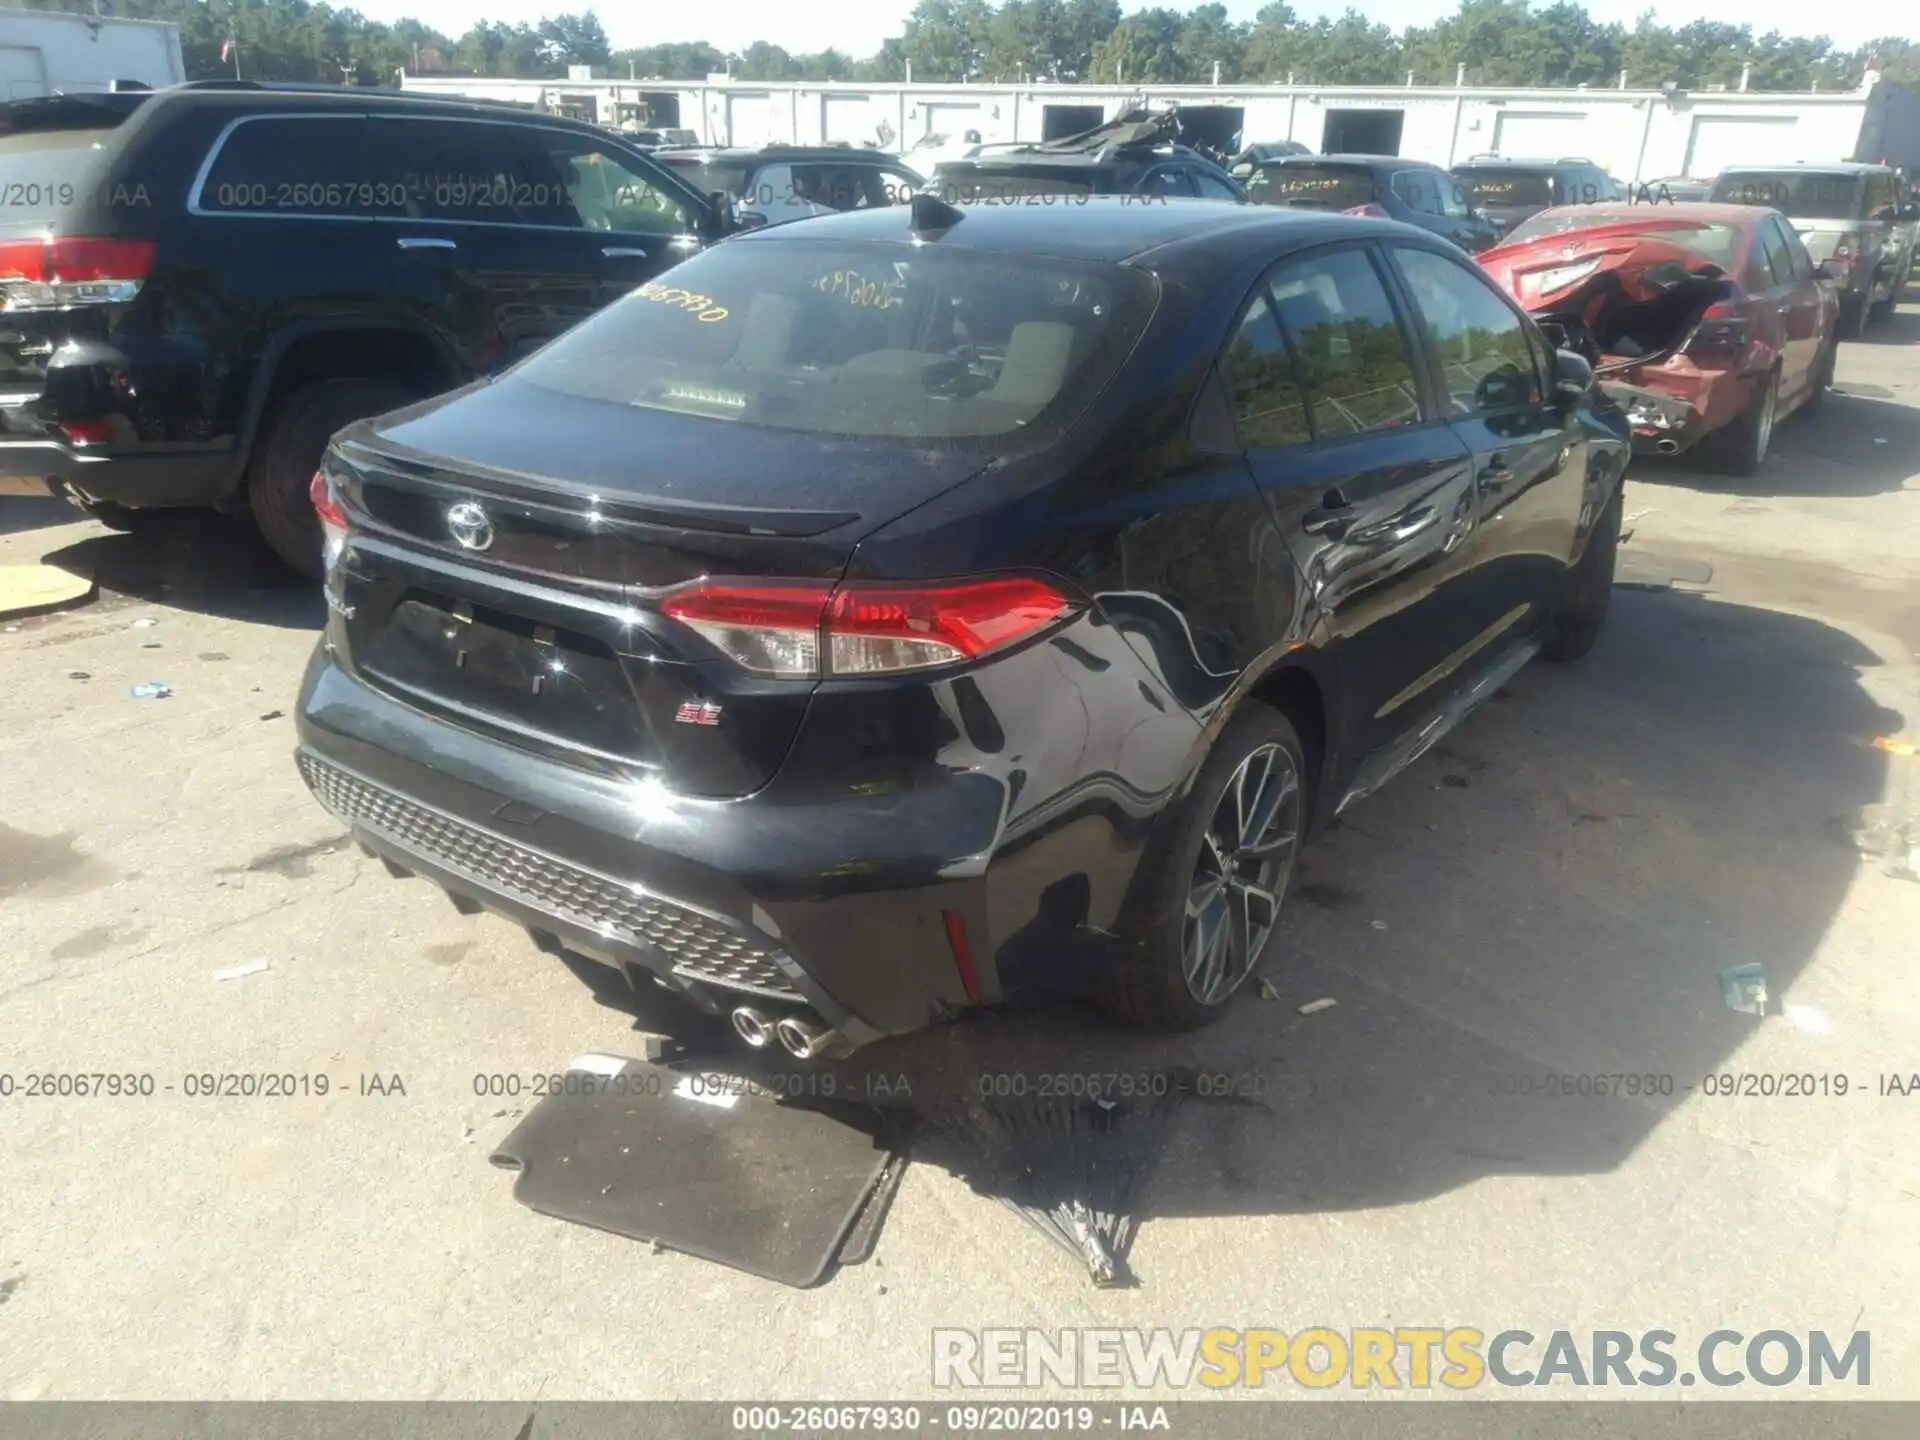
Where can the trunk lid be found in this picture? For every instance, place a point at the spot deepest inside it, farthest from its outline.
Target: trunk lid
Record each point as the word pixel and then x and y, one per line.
pixel 512 543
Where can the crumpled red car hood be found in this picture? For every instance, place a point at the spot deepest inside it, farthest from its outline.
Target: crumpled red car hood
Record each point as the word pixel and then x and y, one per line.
pixel 1566 274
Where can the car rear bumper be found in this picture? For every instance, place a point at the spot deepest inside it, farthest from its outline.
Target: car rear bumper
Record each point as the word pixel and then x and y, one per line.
pixel 812 894
pixel 1670 412
pixel 154 478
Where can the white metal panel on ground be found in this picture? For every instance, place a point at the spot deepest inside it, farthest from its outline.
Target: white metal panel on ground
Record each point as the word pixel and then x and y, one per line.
pixel 1542 134
pixel 1722 140
pixel 846 117
pixel 750 118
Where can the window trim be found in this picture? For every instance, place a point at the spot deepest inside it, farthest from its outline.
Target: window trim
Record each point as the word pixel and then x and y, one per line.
pixel 1430 346
pixel 1262 289
pixel 696 203
pixel 1177 168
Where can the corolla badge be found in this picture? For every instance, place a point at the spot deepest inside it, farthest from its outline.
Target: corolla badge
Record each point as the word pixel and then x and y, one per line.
pixel 469 526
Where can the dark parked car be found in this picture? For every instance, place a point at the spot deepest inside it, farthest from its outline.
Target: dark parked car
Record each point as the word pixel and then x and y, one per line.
pixel 1263 151
pixel 203 283
pixel 929 607
pixel 775 184
pixel 1410 191
pixel 1859 219
pixel 1123 157
pixel 1511 190
pixel 1707 324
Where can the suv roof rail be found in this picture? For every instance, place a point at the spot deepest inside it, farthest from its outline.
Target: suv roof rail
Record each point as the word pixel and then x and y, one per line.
pixel 1575 160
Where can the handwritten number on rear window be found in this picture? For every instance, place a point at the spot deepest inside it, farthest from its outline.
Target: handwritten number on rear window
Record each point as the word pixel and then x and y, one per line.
pixel 861 291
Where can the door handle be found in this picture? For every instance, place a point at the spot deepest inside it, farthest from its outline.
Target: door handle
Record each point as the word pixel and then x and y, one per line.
pixel 616 252
pixel 426 242
pixel 1332 517
pixel 1392 532
pixel 1495 474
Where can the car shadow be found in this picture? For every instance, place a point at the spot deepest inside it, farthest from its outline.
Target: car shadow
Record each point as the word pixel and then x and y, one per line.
pixel 1857 444
pixel 1555 890
pixel 21 513
pixel 201 561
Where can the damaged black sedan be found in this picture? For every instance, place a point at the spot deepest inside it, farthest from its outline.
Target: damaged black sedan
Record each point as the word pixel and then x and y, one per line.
pixel 929 608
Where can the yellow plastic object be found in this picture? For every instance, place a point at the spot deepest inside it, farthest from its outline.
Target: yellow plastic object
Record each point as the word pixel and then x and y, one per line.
pixel 28 589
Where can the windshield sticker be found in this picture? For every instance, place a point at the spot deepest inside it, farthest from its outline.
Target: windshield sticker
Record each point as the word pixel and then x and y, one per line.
pixel 863 292
pixel 701 307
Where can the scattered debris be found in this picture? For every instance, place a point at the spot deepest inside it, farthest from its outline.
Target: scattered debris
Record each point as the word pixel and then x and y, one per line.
pixel 152 690
pixel 151 645
pixel 274 715
pixel 240 972
pixel 1744 988
pixel 146 622
pixel 1895 747
pixel 1805 1017
pixel 466 1133
pixel 79 675
pixel 1314 1007
pixel 214 655
pixel 1267 992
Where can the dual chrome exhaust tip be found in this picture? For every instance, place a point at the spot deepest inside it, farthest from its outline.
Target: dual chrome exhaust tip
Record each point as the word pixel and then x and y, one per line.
pixel 802 1039
pixel 1667 445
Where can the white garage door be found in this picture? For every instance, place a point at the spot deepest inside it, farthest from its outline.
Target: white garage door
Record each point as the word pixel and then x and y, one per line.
pixel 750 118
pixel 1540 134
pixel 23 74
pixel 848 118
pixel 949 120
pixel 1722 140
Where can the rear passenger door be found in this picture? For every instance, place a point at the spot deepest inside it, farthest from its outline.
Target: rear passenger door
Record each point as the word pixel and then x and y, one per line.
pixel 1797 300
pixel 1372 493
pixel 1490 367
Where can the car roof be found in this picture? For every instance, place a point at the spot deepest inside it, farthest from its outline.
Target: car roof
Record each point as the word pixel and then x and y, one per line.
pixel 1354 162
pixel 1836 167
pixel 1705 211
pixel 1079 160
pixel 737 153
pixel 1524 163
pixel 1119 230
pixel 267 95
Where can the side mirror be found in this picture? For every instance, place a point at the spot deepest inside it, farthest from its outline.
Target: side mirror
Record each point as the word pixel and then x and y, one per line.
pixel 1572 376
pixel 725 219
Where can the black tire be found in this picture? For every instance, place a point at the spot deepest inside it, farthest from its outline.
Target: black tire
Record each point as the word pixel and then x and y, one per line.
pixel 1152 987
pixel 1853 317
pixel 289 450
pixel 1740 447
pixel 1822 378
pixel 1582 611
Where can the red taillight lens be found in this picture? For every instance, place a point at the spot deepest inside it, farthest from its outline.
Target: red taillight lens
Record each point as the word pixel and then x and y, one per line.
pixel 88 432
pixel 801 629
pixel 72 270
pixel 320 492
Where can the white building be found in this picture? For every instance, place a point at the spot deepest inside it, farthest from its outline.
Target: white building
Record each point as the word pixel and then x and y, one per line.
pixel 46 50
pixel 1635 134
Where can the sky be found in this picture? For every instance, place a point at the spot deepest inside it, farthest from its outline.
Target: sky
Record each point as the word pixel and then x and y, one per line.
pixel 857 27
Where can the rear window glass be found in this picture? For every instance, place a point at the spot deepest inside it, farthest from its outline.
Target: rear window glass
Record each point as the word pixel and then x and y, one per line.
pixel 45 174
pixel 871 341
pixel 1718 243
pixel 1315 187
pixel 1507 187
pixel 1807 196
pixel 707 176
pixel 969 185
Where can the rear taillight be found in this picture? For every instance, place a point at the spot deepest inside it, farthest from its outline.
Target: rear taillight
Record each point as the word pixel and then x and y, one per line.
pixel 333 519
pixel 805 629
pixel 1719 332
pixel 52 273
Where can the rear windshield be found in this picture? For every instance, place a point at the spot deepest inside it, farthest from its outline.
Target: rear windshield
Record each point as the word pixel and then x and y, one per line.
pixel 44 174
pixel 1506 187
pixel 1803 195
pixel 1718 243
pixel 917 344
pixel 969 184
pixel 1315 187
pixel 705 175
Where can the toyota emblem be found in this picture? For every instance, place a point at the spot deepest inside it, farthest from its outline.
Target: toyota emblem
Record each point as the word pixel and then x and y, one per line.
pixel 469 525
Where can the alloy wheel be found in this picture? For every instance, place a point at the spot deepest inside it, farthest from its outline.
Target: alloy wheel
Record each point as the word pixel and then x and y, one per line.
pixel 1246 858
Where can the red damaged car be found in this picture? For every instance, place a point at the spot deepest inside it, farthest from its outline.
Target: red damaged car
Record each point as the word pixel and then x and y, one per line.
pixel 1706 324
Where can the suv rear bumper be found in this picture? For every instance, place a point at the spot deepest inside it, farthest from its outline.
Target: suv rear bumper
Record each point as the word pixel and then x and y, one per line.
pixel 165 478
pixel 553 848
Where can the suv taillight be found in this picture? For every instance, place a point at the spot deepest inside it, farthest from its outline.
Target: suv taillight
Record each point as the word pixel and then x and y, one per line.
pixel 811 630
pixel 61 272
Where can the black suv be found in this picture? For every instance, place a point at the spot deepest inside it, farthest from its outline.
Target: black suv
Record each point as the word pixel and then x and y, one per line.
pixel 1510 191
pixel 1410 191
pixel 775 184
pixel 202 283
pixel 1128 156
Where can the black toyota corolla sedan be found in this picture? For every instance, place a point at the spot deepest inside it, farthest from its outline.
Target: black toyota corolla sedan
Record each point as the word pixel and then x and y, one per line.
pixel 927 608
